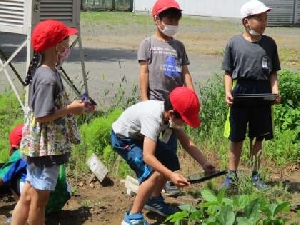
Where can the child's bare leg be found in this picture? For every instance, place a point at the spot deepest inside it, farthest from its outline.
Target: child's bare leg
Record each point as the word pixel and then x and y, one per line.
pixel 38 204
pixel 235 155
pixel 160 184
pixel 21 211
pixel 145 191
pixel 256 153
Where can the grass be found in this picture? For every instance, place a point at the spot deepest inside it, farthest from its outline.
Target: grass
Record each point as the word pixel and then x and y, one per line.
pixel 201 35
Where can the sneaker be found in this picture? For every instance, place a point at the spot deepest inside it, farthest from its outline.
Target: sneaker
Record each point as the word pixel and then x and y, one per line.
pixel 7 221
pixel 134 219
pixel 258 183
pixel 230 181
pixel 171 190
pixel 159 206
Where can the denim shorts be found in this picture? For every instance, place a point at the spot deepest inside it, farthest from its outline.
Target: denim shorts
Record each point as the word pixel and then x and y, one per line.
pixel 132 152
pixel 42 178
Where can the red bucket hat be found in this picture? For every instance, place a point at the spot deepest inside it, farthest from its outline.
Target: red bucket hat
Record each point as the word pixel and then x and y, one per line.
pixel 48 33
pixel 162 5
pixel 186 103
pixel 15 137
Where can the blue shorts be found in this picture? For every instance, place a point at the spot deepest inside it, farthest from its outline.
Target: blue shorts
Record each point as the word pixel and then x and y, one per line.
pixel 132 151
pixel 42 178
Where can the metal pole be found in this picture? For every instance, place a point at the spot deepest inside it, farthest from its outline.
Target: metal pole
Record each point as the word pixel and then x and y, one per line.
pixel 82 61
pixel 13 86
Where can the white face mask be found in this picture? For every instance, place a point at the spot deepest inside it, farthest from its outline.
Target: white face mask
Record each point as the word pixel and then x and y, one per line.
pixel 253 32
pixel 169 30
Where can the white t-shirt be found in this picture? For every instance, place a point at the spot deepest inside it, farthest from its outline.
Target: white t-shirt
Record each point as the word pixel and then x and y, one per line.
pixel 141 119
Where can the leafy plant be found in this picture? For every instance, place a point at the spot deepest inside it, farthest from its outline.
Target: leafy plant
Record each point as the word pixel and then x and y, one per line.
pixel 218 209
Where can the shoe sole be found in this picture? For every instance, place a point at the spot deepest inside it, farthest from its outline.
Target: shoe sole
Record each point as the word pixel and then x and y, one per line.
pixel 152 209
pixel 125 223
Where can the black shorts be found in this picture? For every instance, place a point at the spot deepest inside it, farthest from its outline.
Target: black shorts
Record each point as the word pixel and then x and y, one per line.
pixel 257 118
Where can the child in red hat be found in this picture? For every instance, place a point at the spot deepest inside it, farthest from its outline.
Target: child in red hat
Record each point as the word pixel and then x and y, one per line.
pixel 135 136
pixel 164 62
pixel 50 127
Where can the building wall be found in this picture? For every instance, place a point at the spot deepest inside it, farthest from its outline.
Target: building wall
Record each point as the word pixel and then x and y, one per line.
pixel 285 12
pixel 200 7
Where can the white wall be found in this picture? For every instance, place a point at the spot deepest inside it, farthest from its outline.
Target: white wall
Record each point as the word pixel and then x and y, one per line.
pixel 217 8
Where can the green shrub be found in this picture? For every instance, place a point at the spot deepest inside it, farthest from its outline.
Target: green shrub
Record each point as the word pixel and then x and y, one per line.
pixel 96 139
pixel 11 114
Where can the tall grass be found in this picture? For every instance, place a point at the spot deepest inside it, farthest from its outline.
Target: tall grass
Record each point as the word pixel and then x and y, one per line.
pixel 11 114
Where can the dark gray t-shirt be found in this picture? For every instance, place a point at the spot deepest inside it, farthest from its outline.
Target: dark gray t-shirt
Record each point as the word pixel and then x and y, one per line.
pixel 251 60
pixel 45 87
pixel 165 61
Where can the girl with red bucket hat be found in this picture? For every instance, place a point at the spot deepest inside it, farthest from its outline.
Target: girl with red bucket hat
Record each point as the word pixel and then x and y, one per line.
pixel 50 127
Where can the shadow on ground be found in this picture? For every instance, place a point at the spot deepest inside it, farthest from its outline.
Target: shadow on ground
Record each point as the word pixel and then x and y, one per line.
pixel 10 42
pixel 69 217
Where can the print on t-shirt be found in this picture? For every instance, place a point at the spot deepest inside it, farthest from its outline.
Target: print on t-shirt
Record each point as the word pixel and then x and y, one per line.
pixel 171 67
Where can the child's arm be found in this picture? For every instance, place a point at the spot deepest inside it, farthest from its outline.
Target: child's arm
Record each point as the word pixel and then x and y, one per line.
pixel 274 86
pixel 187 77
pixel 77 107
pixel 150 159
pixel 190 147
pixel 144 80
pixel 228 88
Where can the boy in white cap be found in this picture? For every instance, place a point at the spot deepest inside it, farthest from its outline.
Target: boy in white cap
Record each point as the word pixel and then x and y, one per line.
pixel 250 63
pixel 135 136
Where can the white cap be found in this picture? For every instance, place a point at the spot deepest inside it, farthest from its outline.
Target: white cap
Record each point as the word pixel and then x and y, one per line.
pixel 253 7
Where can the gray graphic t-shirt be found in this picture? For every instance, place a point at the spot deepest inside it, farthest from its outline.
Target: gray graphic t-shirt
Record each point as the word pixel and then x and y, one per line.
pixel 165 61
pixel 251 60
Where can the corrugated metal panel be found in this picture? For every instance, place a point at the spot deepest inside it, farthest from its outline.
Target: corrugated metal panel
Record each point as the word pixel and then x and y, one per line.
pixel 283 12
pixel 12 13
pixel 60 10
pixel 297 13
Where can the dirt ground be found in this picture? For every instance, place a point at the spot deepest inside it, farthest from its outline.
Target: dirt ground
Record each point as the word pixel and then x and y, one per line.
pixel 106 203
pixel 111 53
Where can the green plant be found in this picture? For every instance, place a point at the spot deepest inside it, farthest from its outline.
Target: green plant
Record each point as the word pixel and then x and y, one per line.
pixel 11 115
pixel 218 209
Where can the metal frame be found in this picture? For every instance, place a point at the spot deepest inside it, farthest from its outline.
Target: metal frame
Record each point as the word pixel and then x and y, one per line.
pixel 32 15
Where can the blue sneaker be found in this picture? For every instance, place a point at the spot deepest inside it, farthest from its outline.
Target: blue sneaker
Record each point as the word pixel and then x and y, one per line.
pixel 7 221
pixel 230 181
pixel 159 206
pixel 134 219
pixel 258 183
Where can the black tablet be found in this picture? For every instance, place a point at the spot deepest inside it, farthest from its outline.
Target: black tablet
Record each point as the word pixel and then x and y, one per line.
pixel 254 99
pixel 201 177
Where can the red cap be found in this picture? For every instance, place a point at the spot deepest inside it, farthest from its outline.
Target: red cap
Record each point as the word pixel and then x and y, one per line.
pixel 162 5
pixel 48 33
pixel 15 137
pixel 186 103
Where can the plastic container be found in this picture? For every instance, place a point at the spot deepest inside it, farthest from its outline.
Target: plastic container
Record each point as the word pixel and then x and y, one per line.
pixel 97 167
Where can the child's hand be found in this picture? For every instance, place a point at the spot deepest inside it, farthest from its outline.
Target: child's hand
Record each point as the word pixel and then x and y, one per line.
pixel 209 168
pixel 179 180
pixel 77 107
pixel 278 99
pixel 229 98
pixel 89 107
